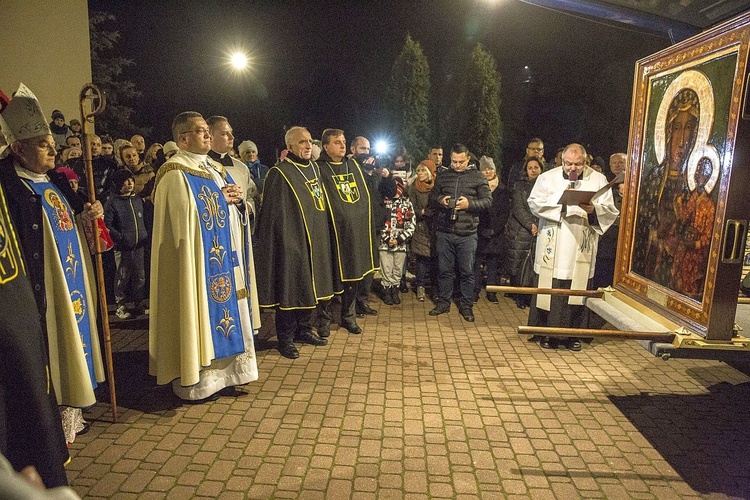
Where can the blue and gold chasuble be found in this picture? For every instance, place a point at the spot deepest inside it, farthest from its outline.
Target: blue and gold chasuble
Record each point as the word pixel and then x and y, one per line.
pixel 219 261
pixel 60 216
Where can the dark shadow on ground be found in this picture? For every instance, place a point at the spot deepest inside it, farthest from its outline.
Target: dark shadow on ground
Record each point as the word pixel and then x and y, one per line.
pixel 705 438
pixel 136 389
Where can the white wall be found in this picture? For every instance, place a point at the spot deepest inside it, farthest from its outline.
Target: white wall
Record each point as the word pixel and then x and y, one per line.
pixel 45 45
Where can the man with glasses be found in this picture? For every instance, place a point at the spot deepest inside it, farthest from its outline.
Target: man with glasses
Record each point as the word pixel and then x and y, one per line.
pixel 459 195
pixel 567 241
pixel 534 149
pixel 201 328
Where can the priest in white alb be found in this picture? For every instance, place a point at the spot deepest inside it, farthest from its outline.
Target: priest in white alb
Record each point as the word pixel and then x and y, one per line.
pixel 567 241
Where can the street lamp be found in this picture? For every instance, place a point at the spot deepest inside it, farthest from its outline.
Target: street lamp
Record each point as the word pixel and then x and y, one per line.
pixel 238 60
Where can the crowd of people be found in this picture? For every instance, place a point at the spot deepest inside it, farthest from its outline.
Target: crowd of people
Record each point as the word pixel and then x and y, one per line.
pixel 204 239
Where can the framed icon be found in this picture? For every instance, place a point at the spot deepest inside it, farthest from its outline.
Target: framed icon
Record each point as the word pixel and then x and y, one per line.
pixel 686 209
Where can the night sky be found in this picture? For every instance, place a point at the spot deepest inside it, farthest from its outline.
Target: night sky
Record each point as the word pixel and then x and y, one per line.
pixel 327 64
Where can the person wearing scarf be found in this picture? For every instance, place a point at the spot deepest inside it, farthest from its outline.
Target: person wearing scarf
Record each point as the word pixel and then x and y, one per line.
pixel 421 242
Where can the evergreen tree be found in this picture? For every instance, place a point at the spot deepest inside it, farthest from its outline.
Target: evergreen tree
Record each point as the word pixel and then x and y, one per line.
pixel 106 71
pixel 408 99
pixel 478 111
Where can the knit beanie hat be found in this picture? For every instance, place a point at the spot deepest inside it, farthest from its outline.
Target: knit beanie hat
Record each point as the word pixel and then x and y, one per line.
pixel 486 163
pixel 170 146
pixel 246 146
pixel 68 173
pixel 56 114
pixel 118 179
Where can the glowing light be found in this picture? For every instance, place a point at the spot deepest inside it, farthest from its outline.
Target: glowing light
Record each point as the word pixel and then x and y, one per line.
pixel 238 60
pixel 381 147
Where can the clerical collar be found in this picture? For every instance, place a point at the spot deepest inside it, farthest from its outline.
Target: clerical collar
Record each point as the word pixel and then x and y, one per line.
pixel 202 159
pixel 25 173
pixel 222 158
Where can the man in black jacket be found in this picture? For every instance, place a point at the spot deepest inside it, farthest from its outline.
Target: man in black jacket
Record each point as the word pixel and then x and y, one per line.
pixel 360 151
pixel 458 196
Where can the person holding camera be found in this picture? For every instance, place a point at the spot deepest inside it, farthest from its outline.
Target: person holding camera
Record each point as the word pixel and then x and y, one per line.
pixel 458 197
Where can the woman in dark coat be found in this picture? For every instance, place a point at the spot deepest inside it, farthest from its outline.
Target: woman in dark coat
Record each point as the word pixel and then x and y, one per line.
pixel 421 242
pixel 521 229
pixel 491 243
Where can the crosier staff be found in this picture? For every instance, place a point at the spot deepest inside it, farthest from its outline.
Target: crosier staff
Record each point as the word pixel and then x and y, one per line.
pixel 89 93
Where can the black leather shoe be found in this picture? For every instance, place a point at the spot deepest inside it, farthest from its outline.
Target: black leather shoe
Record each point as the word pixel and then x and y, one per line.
pixel 548 343
pixel 353 328
pixel 574 344
pixel 439 309
pixel 360 315
pixel 86 428
pixel 467 313
pixel 365 309
pixel 307 337
pixel 288 350
pixel 324 333
pixel 492 297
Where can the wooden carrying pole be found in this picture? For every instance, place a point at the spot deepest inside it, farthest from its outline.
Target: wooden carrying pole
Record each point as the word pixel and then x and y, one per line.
pixel 545 291
pixel 551 331
pixel 89 93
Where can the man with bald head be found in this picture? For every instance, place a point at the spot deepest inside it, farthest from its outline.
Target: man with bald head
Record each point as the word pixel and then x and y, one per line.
pixel 297 273
pixel 360 151
pixel 617 163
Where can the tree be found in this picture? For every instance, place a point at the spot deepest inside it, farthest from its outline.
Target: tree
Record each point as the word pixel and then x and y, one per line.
pixel 106 71
pixel 478 112
pixel 408 98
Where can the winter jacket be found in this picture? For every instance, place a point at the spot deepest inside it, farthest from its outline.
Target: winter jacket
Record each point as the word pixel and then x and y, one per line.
pixel 492 223
pixel 398 225
pixel 421 242
pixel 379 213
pixel 123 216
pixel 518 228
pixel 470 184
pixel 142 177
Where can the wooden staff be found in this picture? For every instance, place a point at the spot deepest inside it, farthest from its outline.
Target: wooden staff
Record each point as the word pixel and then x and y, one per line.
pixel 553 331
pixel 743 300
pixel 545 291
pixel 91 92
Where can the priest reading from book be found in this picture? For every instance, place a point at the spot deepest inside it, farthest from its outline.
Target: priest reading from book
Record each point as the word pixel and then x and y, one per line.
pixel 567 240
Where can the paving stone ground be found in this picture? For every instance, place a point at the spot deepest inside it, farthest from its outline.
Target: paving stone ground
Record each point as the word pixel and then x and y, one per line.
pixel 424 407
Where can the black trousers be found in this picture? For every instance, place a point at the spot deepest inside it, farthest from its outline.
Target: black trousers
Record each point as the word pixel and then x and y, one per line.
pixel 289 322
pixel 362 292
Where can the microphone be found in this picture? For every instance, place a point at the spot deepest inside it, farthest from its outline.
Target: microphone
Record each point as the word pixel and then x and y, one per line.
pixel 572 178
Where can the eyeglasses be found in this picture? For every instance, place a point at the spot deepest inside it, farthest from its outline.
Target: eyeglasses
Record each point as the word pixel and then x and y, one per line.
pixel 568 164
pixel 535 149
pixel 199 131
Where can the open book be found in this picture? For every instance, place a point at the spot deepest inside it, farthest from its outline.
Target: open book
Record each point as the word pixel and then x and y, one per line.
pixel 575 197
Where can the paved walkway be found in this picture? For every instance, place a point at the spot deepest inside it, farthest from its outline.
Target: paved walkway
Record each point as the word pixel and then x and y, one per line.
pixel 422 407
